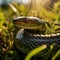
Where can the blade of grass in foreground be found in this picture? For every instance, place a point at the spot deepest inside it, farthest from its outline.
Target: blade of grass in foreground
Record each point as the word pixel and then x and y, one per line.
pixel 56 55
pixel 48 53
pixel 35 51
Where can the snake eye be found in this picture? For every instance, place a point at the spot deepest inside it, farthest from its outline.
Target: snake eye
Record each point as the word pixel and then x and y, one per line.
pixel 25 20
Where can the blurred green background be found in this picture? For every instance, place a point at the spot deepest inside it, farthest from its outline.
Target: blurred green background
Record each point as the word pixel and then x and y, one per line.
pixel 48 10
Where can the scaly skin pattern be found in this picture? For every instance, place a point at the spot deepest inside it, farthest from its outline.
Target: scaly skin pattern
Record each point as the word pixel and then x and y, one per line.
pixel 31 35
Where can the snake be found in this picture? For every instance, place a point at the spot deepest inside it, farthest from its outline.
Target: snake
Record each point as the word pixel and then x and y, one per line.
pixel 31 34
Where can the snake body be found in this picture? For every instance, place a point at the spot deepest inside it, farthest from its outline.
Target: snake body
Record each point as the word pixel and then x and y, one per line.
pixel 31 36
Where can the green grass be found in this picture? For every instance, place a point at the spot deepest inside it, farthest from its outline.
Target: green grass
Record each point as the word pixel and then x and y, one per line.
pixel 14 10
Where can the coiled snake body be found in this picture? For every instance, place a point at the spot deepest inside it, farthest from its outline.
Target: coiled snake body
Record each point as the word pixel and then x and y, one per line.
pixel 31 34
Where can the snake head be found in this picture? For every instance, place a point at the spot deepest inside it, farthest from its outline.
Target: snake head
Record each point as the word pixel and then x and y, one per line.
pixel 28 22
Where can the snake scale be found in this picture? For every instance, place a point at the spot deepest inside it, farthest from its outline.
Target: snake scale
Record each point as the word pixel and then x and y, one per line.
pixel 31 34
